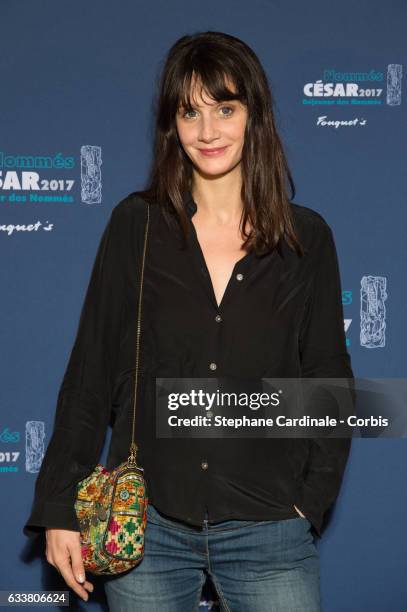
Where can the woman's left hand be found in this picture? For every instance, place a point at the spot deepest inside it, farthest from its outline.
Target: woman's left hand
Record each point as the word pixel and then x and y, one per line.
pixel 299 512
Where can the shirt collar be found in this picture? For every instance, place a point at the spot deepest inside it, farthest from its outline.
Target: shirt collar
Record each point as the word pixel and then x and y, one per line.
pixel 190 204
pixel 191 208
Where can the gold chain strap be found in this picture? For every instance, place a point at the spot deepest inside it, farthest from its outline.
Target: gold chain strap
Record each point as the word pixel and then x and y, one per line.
pixel 131 461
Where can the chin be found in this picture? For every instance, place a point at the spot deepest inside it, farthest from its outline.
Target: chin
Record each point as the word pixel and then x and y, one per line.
pixel 213 168
pixel 211 172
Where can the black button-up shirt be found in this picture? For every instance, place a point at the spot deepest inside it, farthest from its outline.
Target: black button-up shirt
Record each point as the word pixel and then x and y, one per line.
pixel 280 316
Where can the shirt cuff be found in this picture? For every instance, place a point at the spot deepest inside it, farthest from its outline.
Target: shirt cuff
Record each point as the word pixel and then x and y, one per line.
pixel 52 515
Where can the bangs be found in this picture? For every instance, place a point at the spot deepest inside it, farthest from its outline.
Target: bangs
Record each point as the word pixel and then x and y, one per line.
pixel 213 81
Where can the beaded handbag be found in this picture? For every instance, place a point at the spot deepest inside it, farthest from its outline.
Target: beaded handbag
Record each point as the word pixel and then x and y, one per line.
pixel 111 506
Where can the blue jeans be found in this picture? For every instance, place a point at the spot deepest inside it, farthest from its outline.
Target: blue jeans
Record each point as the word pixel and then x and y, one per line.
pixel 255 566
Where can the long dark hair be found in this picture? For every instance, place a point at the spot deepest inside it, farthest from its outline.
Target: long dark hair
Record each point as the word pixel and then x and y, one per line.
pixel 212 58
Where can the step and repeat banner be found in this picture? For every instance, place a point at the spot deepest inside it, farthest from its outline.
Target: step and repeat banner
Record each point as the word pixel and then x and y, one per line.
pixel 76 114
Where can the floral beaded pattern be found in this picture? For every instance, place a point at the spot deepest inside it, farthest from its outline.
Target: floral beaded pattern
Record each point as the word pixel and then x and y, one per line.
pixel 112 512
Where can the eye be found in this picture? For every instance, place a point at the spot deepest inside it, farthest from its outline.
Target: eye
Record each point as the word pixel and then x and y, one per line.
pixel 185 115
pixel 227 108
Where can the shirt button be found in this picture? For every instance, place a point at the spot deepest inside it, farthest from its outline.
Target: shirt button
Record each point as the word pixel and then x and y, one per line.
pixel 212 366
pixel 239 277
pixel 218 318
pixel 204 465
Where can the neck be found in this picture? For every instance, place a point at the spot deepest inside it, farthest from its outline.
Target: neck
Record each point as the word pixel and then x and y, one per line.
pixel 218 199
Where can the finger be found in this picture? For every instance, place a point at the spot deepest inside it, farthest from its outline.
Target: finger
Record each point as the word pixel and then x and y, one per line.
pixel 67 574
pixel 88 586
pixel 77 564
pixel 302 515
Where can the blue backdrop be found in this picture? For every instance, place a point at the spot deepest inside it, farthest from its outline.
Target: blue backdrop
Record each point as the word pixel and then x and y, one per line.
pixel 83 74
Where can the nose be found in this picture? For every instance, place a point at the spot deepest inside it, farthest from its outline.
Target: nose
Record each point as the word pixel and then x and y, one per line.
pixel 208 129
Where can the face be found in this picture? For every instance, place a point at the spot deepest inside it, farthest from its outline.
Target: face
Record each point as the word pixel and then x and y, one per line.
pixel 212 134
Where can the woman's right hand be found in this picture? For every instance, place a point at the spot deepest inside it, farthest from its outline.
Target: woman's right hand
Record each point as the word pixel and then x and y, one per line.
pixel 63 551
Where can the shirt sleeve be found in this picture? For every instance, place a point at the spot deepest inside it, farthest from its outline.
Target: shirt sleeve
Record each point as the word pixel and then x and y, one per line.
pixel 84 399
pixel 323 354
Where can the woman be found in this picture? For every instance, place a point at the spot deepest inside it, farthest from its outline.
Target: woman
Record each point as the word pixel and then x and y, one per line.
pixel 239 282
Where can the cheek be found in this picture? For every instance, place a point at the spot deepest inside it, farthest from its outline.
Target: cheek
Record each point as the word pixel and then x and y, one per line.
pixel 236 131
pixel 186 135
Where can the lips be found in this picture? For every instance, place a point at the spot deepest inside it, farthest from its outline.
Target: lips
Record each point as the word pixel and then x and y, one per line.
pixel 213 152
